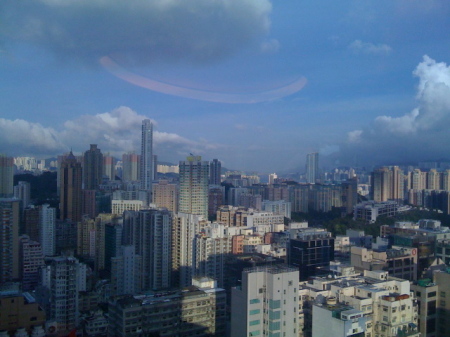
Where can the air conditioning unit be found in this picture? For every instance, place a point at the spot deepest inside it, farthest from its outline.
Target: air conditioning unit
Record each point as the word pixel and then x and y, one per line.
pixel 51 328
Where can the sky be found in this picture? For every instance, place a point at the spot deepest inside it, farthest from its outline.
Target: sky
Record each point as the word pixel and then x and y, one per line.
pixel 257 84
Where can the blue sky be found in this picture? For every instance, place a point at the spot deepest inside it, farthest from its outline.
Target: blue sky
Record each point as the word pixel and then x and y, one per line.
pixel 359 81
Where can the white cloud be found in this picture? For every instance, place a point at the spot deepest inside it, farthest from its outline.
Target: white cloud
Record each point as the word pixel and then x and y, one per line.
pixel 404 124
pixel 358 46
pixel 115 132
pixel 28 138
pixel 354 136
pixel 270 46
pixel 420 133
pixel 136 30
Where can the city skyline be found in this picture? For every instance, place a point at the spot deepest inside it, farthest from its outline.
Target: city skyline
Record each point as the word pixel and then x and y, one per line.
pixel 345 80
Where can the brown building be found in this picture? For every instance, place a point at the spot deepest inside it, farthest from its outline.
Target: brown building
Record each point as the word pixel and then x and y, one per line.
pixel 166 195
pixel 93 168
pixel 237 244
pixel 89 204
pixel 22 312
pixel 70 189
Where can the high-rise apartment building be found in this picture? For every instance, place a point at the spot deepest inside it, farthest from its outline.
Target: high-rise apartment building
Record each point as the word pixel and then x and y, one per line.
pixel 6 176
pixel 31 260
pixel 215 171
pixel 9 239
pixel 70 202
pixel 147 156
pixel 184 230
pixel 22 191
pixel 417 180
pixel 126 276
pixel 47 229
pixel 92 168
pixel 166 195
pixel 388 184
pixel 433 180
pixel 194 175
pixel 212 249
pixel 61 279
pixel 267 302
pixel 109 167
pixel 312 167
pixel 215 198
pixel 131 167
pixel 149 231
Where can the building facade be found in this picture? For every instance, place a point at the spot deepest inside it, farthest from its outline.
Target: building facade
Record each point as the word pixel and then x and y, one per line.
pixel 194 176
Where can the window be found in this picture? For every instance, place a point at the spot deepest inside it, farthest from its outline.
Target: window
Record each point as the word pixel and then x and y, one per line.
pixel 255 322
pixel 274 304
pixel 254 301
pixel 431 294
pixel 274 314
pixel 254 312
pixel 442 293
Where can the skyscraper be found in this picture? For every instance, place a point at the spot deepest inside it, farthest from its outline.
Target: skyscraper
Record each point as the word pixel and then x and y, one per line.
pixel 70 189
pixel 62 279
pixel 388 184
pixel 166 195
pixel 194 175
pixel 22 192
pixel 93 168
pixel 47 237
pixel 184 229
pixel 150 232
pixel 9 239
pixel 6 176
pixel 215 170
pixel 147 156
pixel 109 167
pixel 130 167
pixel 312 167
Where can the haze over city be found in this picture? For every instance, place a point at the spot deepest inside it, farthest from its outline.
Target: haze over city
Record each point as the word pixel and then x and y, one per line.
pixel 256 83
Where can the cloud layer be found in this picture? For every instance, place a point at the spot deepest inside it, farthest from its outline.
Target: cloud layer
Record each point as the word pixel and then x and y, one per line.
pixel 115 132
pixel 359 46
pixel 420 134
pixel 138 31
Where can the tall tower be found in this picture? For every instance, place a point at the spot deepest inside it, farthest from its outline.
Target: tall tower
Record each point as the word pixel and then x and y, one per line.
pixel 6 176
pixel 388 184
pixel 109 164
pixel 150 232
pixel 9 239
pixel 215 170
pixel 147 156
pixel 194 175
pixel 47 237
pixel 130 166
pixel 312 167
pixel 70 189
pixel 93 168
pixel 22 192
pixel 62 279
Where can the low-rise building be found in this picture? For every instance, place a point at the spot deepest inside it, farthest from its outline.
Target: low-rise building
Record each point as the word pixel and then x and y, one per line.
pixel 197 310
